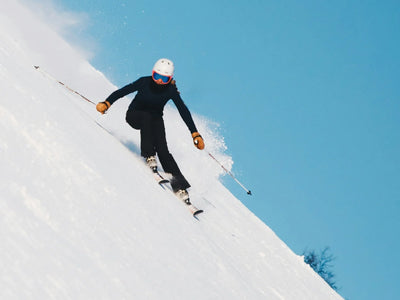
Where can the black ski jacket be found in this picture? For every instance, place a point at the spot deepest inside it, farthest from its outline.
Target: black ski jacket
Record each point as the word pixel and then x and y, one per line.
pixel 152 97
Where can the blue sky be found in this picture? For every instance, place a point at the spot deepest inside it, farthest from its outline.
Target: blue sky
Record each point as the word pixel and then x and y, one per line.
pixel 307 96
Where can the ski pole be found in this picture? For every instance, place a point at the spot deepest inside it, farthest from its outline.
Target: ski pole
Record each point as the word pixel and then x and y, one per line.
pixel 230 173
pixel 64 85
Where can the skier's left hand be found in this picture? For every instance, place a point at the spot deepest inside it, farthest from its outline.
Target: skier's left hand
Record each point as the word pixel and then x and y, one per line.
pixel 198 140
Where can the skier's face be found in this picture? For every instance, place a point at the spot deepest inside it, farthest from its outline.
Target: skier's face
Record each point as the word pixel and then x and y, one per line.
pixel 159 81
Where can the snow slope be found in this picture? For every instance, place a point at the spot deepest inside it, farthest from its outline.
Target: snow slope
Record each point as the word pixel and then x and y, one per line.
pixel 81 216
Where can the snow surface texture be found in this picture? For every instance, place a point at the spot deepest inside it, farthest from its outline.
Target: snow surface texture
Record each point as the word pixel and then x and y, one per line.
pixel 81 216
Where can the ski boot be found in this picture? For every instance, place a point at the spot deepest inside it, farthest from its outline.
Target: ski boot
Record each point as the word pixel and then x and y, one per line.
pixel 152 163
pixel 183 195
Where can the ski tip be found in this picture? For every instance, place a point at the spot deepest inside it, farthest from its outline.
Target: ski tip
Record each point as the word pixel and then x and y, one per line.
pixel 163 181
pixel 197 212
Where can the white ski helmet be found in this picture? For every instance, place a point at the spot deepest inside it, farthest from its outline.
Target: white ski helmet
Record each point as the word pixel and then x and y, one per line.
pixel 164 66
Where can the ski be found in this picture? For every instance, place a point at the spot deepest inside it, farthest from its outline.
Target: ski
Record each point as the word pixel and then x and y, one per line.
pixel 194 210
pixel 163 183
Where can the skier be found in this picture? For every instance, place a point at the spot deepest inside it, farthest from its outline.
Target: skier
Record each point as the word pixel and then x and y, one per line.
pixel 145 113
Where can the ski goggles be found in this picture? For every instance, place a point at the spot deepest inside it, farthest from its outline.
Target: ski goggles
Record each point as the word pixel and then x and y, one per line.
pixel 164 79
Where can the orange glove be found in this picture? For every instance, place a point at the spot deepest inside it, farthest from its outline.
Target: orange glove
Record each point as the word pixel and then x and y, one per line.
pixel 198 140
pixel 103 106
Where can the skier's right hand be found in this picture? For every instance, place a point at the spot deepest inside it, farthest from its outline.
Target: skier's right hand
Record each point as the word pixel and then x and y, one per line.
pixel 103 106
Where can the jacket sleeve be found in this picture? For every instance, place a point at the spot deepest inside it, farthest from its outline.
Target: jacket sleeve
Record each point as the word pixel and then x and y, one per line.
pixel 126 90
pixel 184 112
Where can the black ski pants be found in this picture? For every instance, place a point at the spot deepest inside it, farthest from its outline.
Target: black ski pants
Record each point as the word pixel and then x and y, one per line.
pixel 153 141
